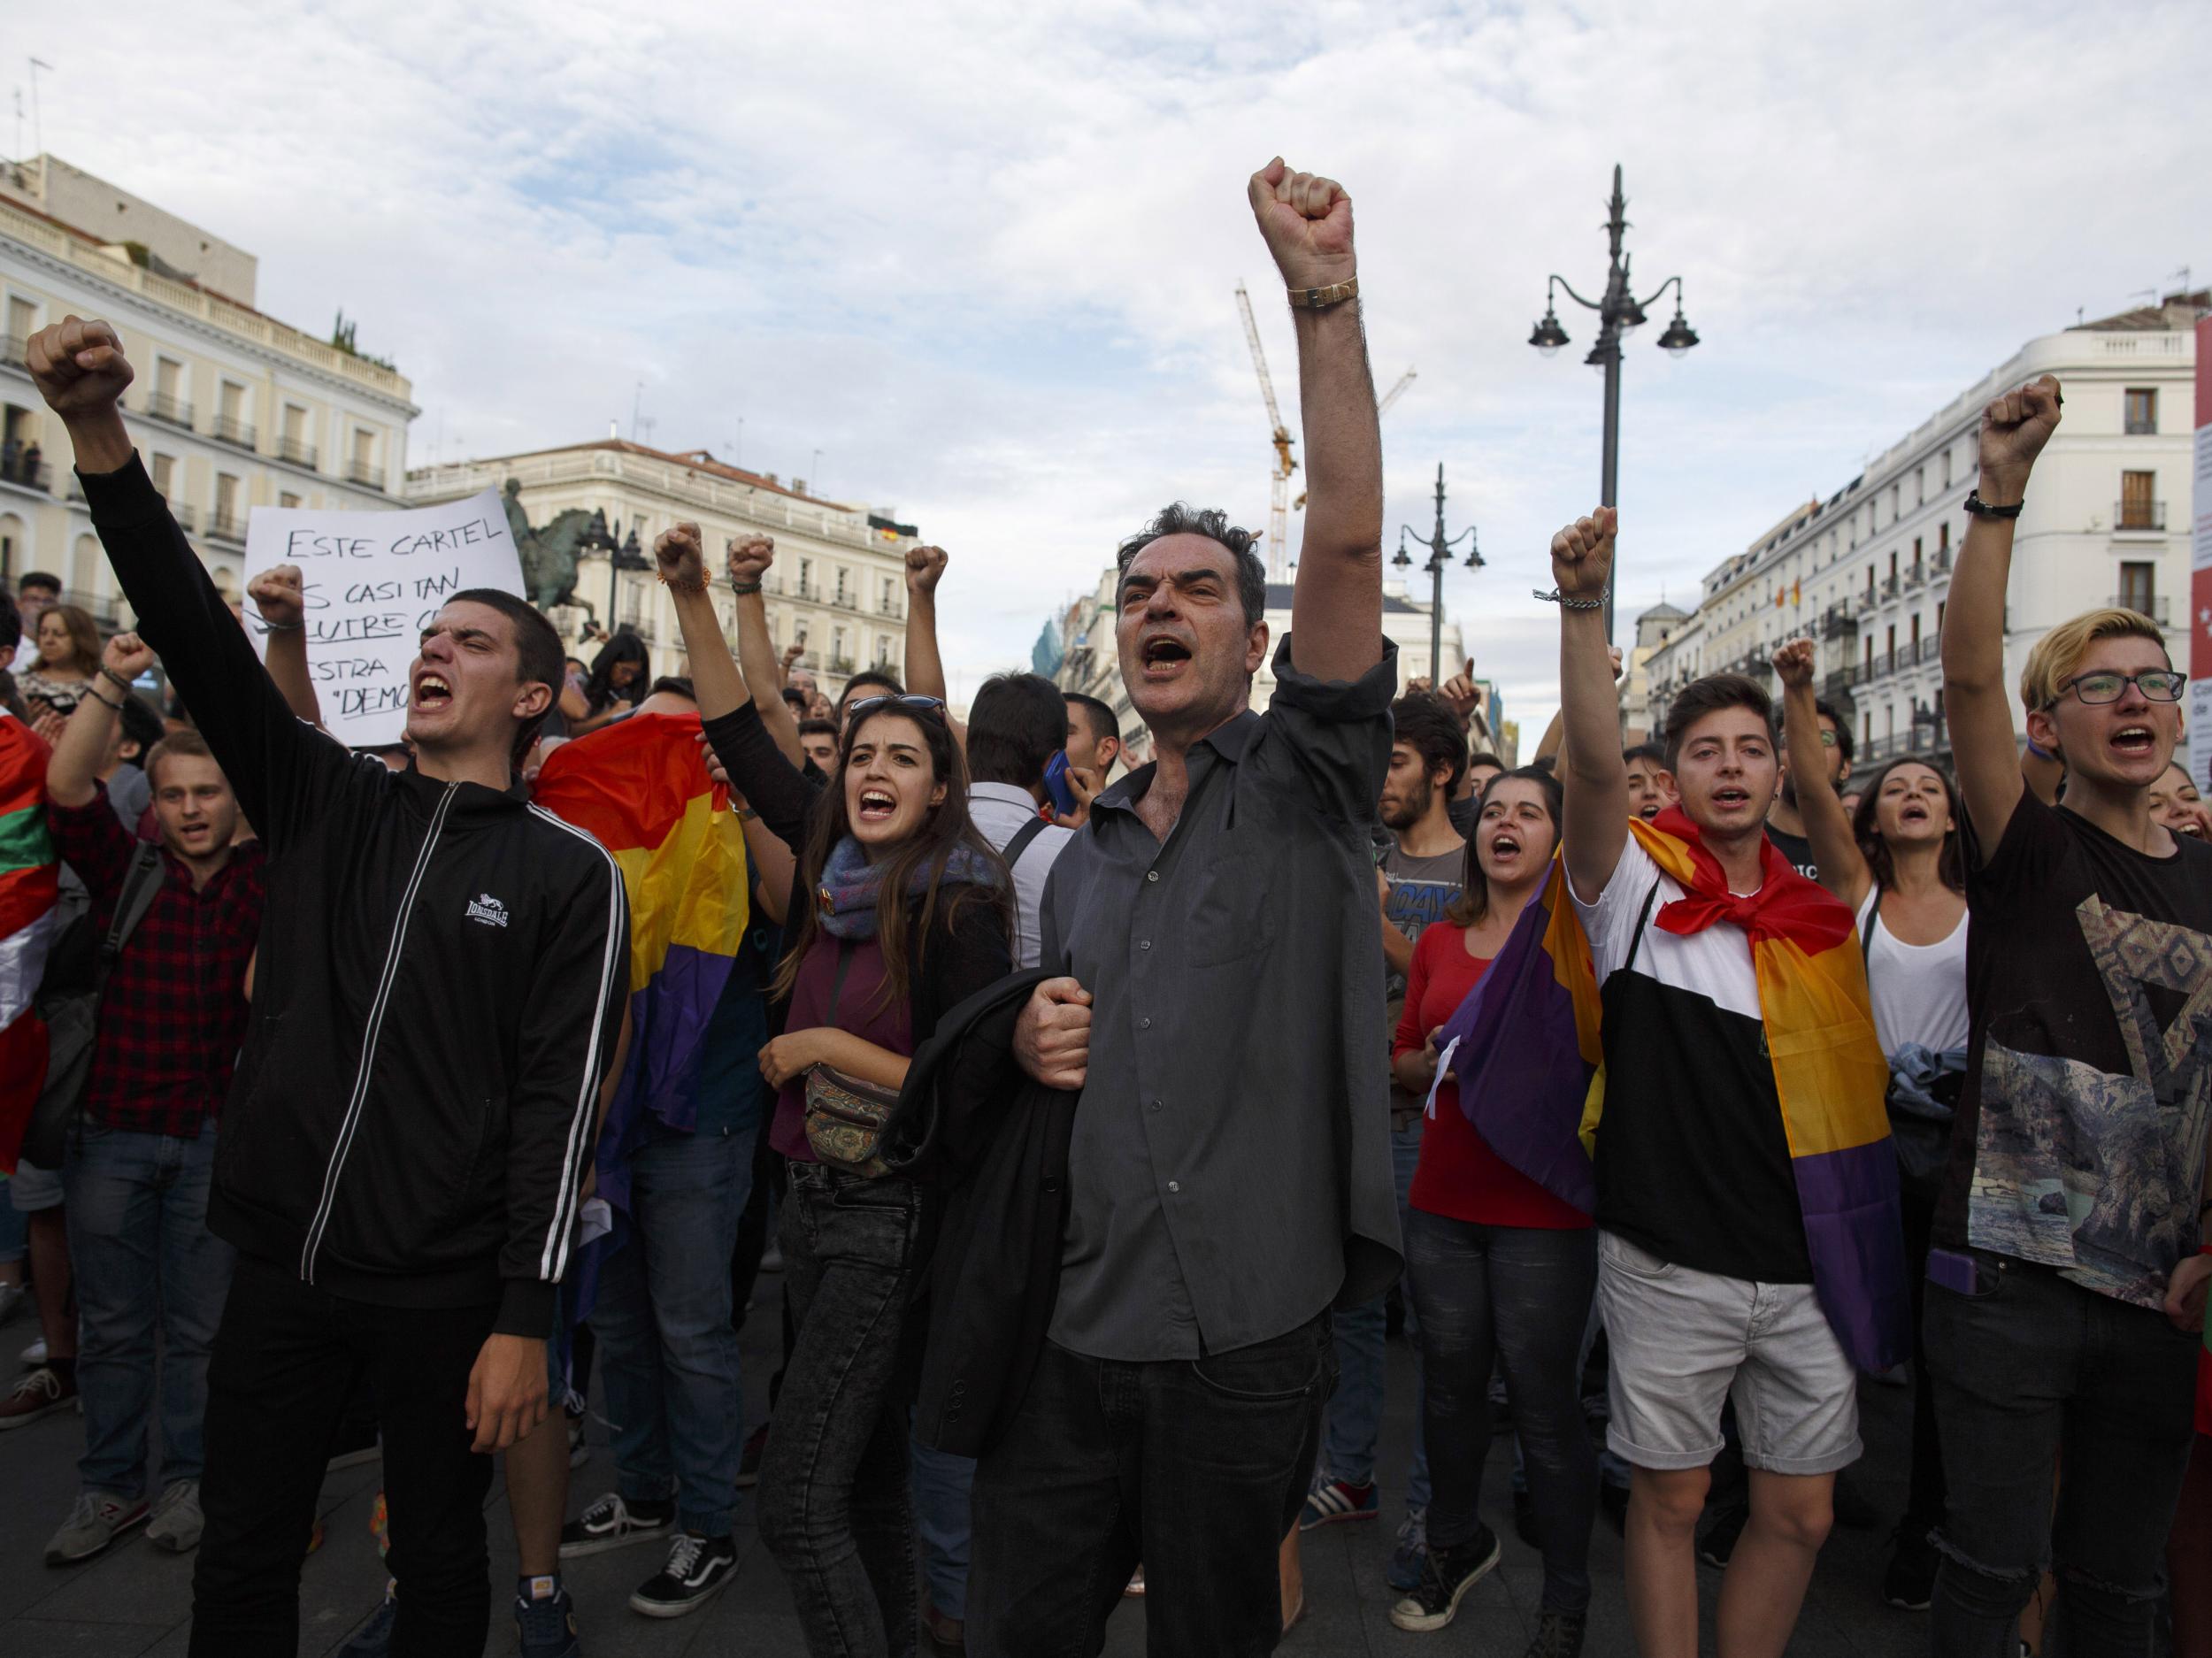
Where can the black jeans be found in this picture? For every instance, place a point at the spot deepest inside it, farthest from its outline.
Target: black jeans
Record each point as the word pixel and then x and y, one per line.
pixel 1196 1467
pixel 286 1361
pixel 834 1507
pixel 1924 1501
pixel 2032 1369
pixel 1519 1297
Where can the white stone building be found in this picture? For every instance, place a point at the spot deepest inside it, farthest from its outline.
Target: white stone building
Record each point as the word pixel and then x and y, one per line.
pixel 838 586
pixel 1867 572
pixel 231 409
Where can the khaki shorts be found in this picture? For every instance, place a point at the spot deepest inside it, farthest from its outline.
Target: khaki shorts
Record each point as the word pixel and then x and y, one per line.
pixel 1685 1342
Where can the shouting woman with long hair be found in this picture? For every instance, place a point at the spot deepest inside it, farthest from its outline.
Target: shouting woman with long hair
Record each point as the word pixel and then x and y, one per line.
pixel 899 912
pixel 1896 861
pixel 1500 1270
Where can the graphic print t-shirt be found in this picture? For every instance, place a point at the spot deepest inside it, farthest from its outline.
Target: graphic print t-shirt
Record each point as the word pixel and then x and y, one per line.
pixel 2080 1139
pixel 1798 850
pixel 1693 1162
pixel 1421 889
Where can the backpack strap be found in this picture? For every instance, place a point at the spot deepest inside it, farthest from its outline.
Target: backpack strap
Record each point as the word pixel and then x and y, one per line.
pixel 140 886
pixel 1024 839
pixel 1643 920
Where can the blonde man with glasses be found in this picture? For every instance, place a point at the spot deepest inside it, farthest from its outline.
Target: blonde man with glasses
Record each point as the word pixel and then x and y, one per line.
pixel 2066 1283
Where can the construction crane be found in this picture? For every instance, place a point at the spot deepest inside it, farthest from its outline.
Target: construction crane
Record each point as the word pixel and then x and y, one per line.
pixel 1382 409
pixel 1278 480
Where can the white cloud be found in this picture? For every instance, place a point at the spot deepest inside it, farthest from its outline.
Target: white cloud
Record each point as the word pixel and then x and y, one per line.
pixel 982 255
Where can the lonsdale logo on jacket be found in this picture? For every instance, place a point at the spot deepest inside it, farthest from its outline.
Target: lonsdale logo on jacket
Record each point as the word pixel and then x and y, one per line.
pixel 488 909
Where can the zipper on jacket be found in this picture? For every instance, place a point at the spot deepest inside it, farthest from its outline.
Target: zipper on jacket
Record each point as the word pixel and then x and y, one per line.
pixel 352 1120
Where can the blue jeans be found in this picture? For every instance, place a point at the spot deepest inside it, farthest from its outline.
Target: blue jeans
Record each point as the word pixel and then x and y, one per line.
pixel 942 1484
pixel 667 1352
pixel 15 1228
pixel 1356 1413
pixel 144 1260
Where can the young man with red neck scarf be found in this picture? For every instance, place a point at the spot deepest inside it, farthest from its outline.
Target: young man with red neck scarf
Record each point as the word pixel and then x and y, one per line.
pixel 1723 1263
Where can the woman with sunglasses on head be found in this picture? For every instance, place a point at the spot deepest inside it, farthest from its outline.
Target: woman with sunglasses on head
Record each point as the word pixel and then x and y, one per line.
pixel 1895 861
pixel 899 912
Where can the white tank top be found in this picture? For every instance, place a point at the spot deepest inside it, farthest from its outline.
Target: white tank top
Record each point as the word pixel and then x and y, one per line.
pixel 1918 991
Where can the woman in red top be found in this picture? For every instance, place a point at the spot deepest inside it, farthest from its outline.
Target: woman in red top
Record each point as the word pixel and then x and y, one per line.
pixel 1499 1268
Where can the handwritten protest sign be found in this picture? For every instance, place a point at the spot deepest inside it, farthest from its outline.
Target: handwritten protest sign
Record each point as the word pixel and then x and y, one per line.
pixel 371 581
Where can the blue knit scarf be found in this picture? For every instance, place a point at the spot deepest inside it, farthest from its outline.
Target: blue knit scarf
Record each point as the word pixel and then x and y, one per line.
pixel 851 886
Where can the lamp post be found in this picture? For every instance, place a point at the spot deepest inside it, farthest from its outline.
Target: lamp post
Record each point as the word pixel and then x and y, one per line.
pixel 1618 312
pixel 1439 557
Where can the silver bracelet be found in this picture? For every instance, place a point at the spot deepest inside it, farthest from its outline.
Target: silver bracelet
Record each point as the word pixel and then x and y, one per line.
pixel 1565 603
pixel 282 628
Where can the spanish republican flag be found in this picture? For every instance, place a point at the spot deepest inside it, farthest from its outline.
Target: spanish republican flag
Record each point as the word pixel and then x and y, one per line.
pixel 28 877
pixel 1531 1065
pixel 641 787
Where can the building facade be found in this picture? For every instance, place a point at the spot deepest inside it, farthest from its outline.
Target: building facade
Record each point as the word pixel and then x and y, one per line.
pixel 231 409
pixel 1867 572
pixel 838 586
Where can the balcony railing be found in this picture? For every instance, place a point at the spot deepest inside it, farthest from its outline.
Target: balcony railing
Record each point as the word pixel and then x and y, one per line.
pixel 231 429
pixel 365 475
pixel 162 405
pixel 2147 517
pixel 106 614
pixel 1915 577
pixel 1889 586
pixel 2159 609
pixel 14 348
pixel 1837 622
pixel 841 664
pixel 227 526
pixel 891 610
pixel 296 452
pixel 28 474
pixel 185 513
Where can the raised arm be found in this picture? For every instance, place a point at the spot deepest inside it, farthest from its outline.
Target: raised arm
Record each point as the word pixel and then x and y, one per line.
pixel 281 772
pixel 1844 869
pixel 74 769
pixel 1336 608
pixel 1591 770
pixel 278 594
pixel 750 559
pixel 2015 428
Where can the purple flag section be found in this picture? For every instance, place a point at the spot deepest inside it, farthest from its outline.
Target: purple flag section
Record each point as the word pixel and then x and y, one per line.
pixel 1521 1077
pixel 1851 1203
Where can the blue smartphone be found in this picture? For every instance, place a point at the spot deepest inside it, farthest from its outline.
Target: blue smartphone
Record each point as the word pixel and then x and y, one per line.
pixel 1057 787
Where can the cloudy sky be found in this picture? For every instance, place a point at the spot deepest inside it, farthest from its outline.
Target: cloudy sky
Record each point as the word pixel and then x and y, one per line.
pixel 982 255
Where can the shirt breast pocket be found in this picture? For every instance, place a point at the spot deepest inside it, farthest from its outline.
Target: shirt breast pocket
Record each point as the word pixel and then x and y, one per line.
pixel 1232 918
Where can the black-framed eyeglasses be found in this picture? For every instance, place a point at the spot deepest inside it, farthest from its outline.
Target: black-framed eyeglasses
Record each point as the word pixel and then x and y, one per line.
pixel 2160 685
pixel 909 703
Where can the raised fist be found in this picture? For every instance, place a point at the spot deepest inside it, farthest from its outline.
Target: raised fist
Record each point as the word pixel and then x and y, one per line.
pixel 77 367
pixel 280 594
pixel 749 557
pixel 1793 663
pixel 127 656
pixel 925 569
pixel 2015 428
pixel 679 552
pixel 1582 555
pixel 1308 223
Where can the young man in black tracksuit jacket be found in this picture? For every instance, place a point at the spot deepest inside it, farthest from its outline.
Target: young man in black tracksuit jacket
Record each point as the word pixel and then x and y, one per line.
pixel 438 993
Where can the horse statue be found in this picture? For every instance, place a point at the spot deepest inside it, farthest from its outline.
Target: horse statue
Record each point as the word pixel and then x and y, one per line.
pixel 549 552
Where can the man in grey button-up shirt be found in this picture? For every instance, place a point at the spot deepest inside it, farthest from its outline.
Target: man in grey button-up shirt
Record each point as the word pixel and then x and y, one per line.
pixel 1221 1013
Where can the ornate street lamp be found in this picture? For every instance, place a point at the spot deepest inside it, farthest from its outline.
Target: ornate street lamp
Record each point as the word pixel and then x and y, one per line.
pixel 1439 557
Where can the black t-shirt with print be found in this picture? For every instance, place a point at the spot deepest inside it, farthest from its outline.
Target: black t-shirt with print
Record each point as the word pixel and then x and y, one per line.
pixel 1798 850
pixel 2080 1137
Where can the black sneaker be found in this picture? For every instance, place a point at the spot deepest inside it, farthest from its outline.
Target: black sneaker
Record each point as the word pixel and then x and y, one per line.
pixel 1558 1635
pixel 547 1628
pixel 1909 1583
pixel 611 1522
pixel 698 1568
pixel 748 1464
pixel 1718 1544
pixel 1445 1580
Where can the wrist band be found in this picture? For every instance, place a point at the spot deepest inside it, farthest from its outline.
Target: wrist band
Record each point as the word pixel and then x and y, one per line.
pixel 743 589
pixel 1565 603
pixel 282 627
pixel 102 702
pixel 1981 509
pixel 115 679
pixel 1322 298
pixel 686 589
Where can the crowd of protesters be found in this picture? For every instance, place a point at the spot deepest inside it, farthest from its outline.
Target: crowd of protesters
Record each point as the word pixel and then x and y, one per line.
pixel 1107 1125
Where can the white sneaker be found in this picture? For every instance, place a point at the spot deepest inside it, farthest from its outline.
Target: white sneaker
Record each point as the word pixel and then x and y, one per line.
pixel 177 1521
pixel 99 1519
pixel 34 1355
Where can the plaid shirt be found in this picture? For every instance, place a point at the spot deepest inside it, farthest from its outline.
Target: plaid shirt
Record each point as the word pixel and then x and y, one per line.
pixel 174 1016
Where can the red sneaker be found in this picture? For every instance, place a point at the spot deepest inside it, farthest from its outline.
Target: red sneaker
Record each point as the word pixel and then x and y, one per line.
pixel 41 1394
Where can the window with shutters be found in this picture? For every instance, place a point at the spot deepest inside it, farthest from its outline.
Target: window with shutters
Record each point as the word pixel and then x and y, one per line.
pixel 2142 410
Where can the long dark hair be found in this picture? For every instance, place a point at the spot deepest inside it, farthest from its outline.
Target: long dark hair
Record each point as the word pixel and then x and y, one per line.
pixel 599 690
pixel 946 826
pixel 1950 867
pixel 1472 905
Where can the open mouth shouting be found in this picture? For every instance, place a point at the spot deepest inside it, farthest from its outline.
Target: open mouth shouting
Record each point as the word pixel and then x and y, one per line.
pixel 2134 742
pixel 1505 849
pixel 1730 797
pixel 1163 657
pixel 877 806
pixel 433 692
pixel 1913 811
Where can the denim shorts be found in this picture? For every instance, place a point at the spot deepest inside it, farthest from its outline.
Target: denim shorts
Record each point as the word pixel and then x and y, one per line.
pixel 31 1188
pixel 1685 1342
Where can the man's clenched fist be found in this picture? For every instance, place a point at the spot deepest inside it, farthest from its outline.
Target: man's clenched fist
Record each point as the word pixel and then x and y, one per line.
pixel 279 594
pixel 128 655
pixel 1582 555
pixel 2015 428
pixel 749 557
pixel 1793 663
pixel 925 569
pixel 77 367
pixel 1308 223
pixel 679 551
